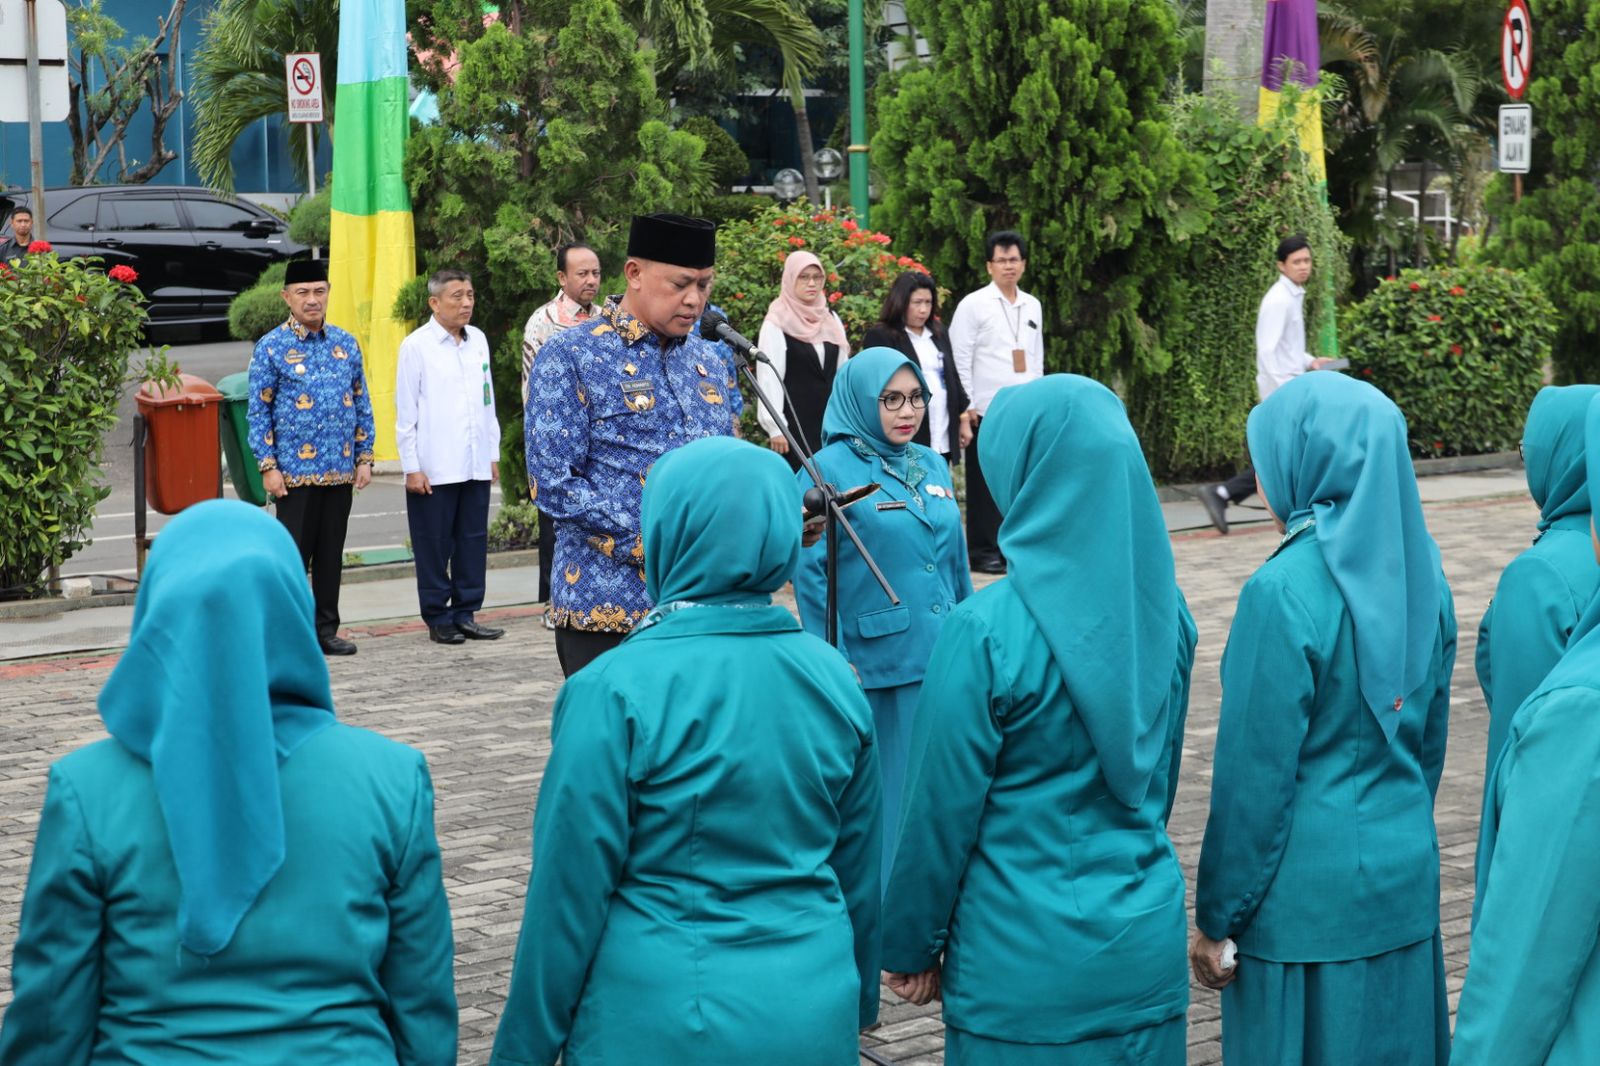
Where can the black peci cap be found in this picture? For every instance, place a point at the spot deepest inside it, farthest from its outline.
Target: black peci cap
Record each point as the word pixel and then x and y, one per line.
pixel 676 239
pixel 300 271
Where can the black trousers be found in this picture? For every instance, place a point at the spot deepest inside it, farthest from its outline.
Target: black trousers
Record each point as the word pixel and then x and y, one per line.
pixel 547 554
pixel 316 516
pixel 577 648
pixel 450 542
pixel 983 517
pixel 1241 485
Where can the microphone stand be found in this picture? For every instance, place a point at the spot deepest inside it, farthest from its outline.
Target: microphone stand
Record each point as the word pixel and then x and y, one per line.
pixel 821 497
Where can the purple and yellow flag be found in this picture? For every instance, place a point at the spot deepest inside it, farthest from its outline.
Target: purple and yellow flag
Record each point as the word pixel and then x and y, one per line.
pixel 372 248
pixel 1291 52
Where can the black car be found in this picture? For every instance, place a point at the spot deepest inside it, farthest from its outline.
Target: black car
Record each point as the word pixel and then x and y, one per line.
pixel 194 250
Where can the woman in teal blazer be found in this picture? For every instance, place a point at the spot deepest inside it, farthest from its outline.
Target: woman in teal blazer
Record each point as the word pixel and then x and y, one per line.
pixel 1532 994
pixel 705 850
pixel 1034 864
pixel 1320 860
pixel 234 876
pixel 912 527
pixel 1544 590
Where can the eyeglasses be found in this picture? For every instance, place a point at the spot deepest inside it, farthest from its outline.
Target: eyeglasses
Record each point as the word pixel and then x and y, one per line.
pixel 893 401
pixel 1006 260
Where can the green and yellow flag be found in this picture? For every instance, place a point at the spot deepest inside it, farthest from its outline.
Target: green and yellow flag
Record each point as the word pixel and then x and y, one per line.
pixel 372 250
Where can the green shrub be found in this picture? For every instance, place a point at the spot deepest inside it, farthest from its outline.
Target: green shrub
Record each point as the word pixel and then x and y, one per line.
pixel 1461 350
pixel 732 206
pixel 860 266
pixel 723 156
pixel 310 219
pixel 66 331
pixel 1191 417
pixel 260 307
pixel 515 526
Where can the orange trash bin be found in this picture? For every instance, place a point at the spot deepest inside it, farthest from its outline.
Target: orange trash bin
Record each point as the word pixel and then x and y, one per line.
pixel 182 455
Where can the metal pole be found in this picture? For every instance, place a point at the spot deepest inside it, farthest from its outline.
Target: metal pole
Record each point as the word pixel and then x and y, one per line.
pixel 1516 188
pixel 311 177
pixel 859 187
pixel 35 124
pixel 140 544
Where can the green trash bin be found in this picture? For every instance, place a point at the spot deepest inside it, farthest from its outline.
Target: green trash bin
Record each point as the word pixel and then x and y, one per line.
pixel 235 389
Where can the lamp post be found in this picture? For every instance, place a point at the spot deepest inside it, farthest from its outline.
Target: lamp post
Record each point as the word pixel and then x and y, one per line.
pixel 788 183
pixel 829 164
pixel 858 113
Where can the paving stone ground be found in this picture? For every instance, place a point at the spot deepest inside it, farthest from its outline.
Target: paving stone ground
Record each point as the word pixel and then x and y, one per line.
pixel 481 712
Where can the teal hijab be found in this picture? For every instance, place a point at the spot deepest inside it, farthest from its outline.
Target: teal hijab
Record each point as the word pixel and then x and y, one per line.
pixel 1091 561
pixel 852 412
pixel 222 680
pixel 1333 449
pixel 721 524
pixel 1553 451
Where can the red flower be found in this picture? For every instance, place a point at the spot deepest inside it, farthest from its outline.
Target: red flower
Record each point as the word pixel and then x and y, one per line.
pixel 798 242
pixel 738 296
pixel 1455 349
pixel 849 225
pixel 1458 291
pixel 777 222
pixel 906 260
pixel 833 297
pixel 1415 286
pixel 38 247
pixel 1438 445
pixel 1388 277
pixel 833 276
pixel 123 272
pixel 881 238
pixel 1435 318
pixel 80 298
pixel 1366 372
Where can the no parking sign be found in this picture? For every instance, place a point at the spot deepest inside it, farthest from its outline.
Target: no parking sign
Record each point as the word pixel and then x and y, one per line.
pixel 1516 48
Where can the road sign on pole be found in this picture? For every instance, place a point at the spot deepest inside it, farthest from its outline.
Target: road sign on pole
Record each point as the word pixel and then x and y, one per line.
pixel 1515 142
pixel 304 71
pixel 1516 48
pixel 51 18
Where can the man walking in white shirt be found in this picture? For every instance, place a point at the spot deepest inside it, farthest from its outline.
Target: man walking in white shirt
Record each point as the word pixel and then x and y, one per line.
pixel 1280 356
pixel 449 441
pixel 996 339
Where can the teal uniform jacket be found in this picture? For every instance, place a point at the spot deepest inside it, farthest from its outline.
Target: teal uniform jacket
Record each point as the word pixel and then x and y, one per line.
pixel 1059 910
pixel 344 958
pixel 705 854
pixel 1320 845
pixel 1532 993
pixel 1538 601
pixel 919 548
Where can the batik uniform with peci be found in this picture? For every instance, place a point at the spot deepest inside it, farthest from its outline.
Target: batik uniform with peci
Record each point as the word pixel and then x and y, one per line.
pixel 309 413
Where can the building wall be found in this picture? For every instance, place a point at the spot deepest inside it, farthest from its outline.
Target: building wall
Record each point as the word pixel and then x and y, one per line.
pixel 261 160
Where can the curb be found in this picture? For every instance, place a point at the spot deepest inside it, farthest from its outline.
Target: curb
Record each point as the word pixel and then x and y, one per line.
pixel 1454 464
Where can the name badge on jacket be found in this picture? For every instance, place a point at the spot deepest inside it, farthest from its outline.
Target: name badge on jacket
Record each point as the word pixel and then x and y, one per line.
pixel 639 396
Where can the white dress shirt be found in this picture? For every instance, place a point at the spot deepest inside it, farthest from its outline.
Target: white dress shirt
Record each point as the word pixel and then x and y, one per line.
pixel 1281 336
pixel 932 362
pixel 775 346
pixel 984 331
pixel 445 423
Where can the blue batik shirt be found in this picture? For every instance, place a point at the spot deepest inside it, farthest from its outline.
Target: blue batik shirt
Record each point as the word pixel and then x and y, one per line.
pixel 310 415
pixel 606 400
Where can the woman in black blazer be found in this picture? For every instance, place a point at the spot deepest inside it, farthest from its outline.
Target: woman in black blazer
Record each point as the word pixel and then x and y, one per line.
pixel 910 325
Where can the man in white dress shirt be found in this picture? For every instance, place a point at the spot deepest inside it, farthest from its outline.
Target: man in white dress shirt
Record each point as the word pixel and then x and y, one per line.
pixel 997 340
pixel 1280 356
pixel 449 441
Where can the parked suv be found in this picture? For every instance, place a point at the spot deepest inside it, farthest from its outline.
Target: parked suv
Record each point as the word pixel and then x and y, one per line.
pixel 194 251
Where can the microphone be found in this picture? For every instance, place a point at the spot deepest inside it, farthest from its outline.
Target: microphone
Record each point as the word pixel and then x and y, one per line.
pixel 715 326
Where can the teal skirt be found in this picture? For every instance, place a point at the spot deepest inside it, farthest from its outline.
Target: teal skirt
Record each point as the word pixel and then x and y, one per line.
pixel 893 710
pixel 1154 1045
pixel 1387 1010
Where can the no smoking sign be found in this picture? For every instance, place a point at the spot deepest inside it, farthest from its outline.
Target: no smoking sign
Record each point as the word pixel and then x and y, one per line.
pixel 1516 48
pixel 304 75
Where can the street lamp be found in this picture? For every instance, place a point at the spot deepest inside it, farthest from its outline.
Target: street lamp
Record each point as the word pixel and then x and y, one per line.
pixel 788 183
pixel 829 165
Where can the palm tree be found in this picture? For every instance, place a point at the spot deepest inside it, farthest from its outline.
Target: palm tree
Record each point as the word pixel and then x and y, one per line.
pixel 239 74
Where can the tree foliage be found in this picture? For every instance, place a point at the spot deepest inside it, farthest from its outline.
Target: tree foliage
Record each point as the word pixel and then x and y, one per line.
pixel 109 82
pixel 1191 418
pixel 551 131
pixel 240 79
pixel 1554 233
pixel 1048 119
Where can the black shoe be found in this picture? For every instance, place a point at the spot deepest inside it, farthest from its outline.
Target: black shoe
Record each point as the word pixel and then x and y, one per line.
pixel 473 631
pixel 336 646
pixel 1216 508
pixel 445 635
pixel 990 565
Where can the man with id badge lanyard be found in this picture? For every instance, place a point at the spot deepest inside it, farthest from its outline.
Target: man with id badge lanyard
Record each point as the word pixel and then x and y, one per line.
pixel 997 340
pixel 449 440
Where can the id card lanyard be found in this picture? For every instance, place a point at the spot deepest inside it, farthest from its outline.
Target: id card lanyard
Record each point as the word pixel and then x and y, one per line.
pixel 1019 356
